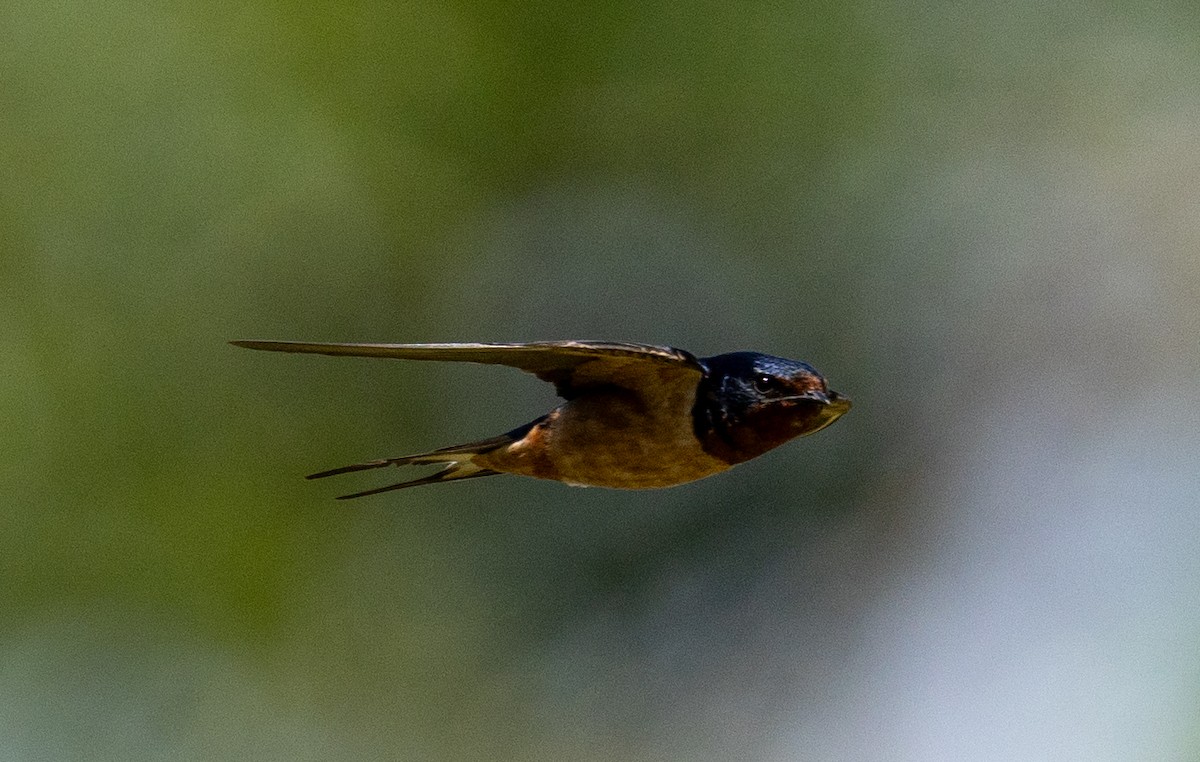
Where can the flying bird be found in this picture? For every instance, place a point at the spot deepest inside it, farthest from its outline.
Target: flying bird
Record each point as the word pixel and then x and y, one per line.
pixel 635 416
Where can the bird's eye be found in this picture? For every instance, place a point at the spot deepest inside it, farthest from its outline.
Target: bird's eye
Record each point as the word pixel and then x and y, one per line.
pixel 765 384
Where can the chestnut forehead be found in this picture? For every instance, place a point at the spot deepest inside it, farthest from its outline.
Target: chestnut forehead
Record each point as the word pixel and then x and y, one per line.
pixel 806 382
pixel 787 369
pixel 800 376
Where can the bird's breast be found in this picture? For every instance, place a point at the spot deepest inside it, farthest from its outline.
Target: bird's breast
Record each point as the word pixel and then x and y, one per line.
pixel 614 438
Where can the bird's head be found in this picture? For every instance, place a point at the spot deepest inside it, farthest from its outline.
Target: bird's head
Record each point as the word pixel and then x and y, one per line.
pixel 749 403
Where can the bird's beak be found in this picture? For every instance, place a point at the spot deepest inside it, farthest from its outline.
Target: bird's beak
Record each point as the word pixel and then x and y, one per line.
pixel 833 406
pixel 831 399
pixel 837 403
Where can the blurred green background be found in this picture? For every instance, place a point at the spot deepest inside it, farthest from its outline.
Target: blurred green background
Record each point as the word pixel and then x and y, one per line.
pixel 980 222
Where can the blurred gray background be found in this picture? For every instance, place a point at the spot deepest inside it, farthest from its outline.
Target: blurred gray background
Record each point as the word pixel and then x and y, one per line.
pixel 981 223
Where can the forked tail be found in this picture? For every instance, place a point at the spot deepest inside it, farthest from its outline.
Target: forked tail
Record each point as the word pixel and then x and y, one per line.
pixel 457 461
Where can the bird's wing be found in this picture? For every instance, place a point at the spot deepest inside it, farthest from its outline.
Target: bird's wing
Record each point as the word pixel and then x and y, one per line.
pixel 571 366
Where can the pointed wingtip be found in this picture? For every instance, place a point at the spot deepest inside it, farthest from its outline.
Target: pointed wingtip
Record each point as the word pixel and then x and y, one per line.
pixel 356 467
pixel 274 346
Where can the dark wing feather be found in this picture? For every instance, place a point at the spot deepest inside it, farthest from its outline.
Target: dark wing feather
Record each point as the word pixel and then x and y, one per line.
pixel 570 365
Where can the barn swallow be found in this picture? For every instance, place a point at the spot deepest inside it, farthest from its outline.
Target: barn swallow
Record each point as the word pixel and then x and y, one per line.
pixel 635 416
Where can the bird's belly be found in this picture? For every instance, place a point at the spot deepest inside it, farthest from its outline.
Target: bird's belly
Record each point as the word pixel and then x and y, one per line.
pixel 623 465
pixel 613 441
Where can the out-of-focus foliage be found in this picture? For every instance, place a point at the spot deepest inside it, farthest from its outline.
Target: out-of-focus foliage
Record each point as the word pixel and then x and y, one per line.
pixel 981 222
